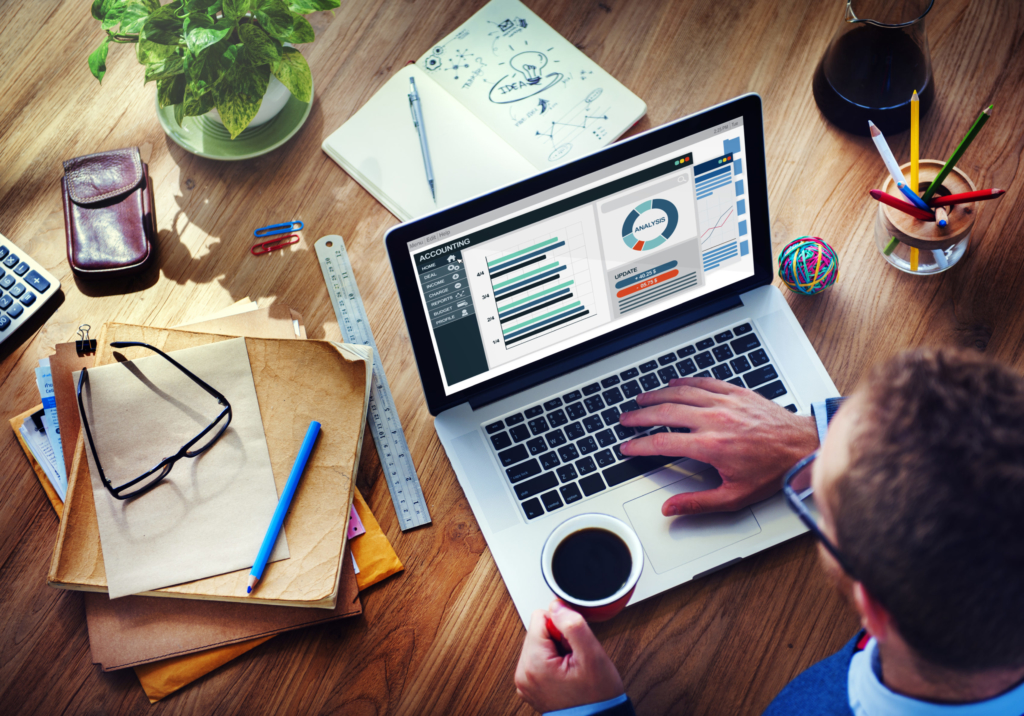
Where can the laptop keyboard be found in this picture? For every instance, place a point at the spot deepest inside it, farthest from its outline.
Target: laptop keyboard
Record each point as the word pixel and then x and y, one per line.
pixel 566 448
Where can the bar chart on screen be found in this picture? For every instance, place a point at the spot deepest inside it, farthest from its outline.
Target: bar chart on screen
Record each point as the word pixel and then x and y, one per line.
pixel 542 286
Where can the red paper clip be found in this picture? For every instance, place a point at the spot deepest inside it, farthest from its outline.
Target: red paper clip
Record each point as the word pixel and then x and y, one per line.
pixel 278 242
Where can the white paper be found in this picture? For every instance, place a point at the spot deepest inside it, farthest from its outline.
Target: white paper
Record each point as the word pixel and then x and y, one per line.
pixel 529 84
pixel 380 148
pixel 44 380
pixel 42 451
pixel 210 514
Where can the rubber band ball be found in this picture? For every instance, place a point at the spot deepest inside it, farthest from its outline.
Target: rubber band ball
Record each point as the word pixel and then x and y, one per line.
pixel 808 265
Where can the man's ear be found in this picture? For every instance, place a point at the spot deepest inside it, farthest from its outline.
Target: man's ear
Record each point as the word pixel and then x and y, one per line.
pixel 873 616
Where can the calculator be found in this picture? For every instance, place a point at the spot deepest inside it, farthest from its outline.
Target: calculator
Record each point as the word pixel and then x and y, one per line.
pixel 24 287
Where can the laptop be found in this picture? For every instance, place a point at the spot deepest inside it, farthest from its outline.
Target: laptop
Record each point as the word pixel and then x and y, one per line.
pixel 539 311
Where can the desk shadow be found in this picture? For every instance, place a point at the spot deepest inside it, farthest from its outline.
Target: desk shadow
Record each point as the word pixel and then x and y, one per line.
pixel 30 328
pixel 136 283
pixel 223 257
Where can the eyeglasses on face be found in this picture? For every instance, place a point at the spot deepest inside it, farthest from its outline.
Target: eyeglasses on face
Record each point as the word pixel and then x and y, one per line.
pixel 196 446
pixel 796 486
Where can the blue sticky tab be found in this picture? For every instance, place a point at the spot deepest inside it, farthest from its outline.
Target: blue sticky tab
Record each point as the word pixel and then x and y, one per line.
pixel 739 188
pixel 742 228
pixel 741 207
pixel 731 145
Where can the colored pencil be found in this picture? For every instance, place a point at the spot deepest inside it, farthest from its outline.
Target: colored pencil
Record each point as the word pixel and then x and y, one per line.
pixel 967 196
pixel 905 207
pixel 915 140
pixel 964 143
pixel 282 505
pixel 887 157
pixel 893 243
pixel 940 258
pixel 914 198
pixel 941 216
pixel 913 258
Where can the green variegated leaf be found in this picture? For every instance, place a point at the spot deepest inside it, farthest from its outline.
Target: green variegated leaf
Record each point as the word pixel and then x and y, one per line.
pixel 198 99
pixel 150 52
pixel 170 91
pixel 102 8
pixel 162 26
pixel 197 6
pixel 173 65
pixel 112 18
pixel 234 9
pixel 293 71
pixel 179 113
pixel 275 17
pixel 133 18
pixel 199 38
pixel 98 60
pixel 260 48
pixel 303 7
pixel 239 93
pixel 301 32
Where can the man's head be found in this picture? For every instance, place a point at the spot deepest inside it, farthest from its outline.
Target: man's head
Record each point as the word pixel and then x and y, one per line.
pixel 921 484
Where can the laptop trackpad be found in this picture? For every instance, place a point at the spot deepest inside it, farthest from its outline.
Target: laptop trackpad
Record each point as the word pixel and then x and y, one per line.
pixel 671 542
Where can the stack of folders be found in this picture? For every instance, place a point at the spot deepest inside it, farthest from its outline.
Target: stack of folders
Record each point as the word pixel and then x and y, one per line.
pixel 171 642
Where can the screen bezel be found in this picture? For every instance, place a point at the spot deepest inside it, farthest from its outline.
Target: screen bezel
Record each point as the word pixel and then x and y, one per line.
pixel 397 239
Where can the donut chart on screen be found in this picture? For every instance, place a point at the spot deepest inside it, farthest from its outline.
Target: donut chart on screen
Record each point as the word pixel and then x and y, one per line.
pixel 657 230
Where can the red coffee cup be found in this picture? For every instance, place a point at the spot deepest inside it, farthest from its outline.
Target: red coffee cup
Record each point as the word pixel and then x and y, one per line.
pixel 591 563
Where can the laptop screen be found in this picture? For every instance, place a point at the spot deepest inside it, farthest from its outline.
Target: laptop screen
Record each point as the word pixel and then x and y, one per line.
pixel 587 258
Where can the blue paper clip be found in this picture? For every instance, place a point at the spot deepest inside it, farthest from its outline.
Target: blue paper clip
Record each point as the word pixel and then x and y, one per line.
pixel 275 229
pixel 278 242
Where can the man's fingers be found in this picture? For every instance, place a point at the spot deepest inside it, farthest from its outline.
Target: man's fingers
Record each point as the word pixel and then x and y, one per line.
pixel 720 499
pixel 538 642
pixel 575 630
pixel 683 394
pixel 668 414
pixel 711 385
pixel 669 444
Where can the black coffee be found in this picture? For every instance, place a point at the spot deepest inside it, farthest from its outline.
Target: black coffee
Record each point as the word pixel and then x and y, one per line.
pixel 591 564
pixel 871 74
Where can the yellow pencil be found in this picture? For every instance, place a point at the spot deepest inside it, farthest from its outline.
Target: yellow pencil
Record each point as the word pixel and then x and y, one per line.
pixel 913 258
pixel 915 141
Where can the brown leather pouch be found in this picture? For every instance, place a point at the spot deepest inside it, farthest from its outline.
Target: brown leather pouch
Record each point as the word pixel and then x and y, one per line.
pixel 108 214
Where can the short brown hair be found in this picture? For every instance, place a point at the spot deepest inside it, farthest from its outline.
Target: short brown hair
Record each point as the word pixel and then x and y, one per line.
pixel 931 512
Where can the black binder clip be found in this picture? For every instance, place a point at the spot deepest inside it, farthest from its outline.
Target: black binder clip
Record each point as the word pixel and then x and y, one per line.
pixel 84 344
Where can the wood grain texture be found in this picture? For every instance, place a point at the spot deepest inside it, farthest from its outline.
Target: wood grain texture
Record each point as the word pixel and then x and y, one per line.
pixel 443 637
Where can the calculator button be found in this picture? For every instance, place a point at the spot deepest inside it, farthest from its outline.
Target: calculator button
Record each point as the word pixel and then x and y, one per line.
pixel 17 290
pixel 7 281
pixel 4 323
pixel 5 301
pixel 2 273
pixel 15 310
pixel 28 299
pixel 21 269
pixel 3 252
pixel 11 261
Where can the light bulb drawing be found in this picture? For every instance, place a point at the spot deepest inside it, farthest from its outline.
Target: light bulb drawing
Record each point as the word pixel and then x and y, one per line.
pixel 531 65
pixel 528 79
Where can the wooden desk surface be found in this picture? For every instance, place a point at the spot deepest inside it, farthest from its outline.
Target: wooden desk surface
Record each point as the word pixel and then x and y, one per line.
pixel 444 637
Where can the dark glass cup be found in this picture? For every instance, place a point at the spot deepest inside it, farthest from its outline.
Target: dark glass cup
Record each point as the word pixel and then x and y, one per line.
pixel 875 61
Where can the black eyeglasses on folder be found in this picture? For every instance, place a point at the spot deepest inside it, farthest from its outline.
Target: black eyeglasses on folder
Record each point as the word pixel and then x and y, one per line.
pixel 196 446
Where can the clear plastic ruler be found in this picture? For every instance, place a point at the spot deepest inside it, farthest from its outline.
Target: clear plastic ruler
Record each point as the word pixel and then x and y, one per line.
pixel 399 471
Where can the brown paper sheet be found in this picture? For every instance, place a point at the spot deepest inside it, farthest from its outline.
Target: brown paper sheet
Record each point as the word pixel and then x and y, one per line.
pixel 296 382
pixel 133 631
pixel 272 322
pixel 209 515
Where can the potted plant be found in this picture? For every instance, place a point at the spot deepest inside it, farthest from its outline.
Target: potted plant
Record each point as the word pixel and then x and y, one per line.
pixel 212 54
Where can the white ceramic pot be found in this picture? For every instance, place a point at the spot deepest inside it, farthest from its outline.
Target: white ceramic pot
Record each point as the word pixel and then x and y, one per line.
pixel 273 102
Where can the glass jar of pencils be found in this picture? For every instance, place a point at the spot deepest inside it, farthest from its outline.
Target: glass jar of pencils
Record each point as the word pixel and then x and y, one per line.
pixel 923 247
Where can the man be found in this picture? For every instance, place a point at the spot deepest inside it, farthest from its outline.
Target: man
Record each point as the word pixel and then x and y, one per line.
pixel 920 488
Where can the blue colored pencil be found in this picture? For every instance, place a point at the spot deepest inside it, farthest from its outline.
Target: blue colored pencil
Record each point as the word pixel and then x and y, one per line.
pixel 914 198
pixel 282 505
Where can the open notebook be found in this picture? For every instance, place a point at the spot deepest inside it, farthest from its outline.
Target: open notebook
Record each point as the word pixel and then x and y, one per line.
pixel 503 97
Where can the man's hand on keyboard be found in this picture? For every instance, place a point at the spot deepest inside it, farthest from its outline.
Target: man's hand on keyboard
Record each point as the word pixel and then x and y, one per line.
pixel 749 440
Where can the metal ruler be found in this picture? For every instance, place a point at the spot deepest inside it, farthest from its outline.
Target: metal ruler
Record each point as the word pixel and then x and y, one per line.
pixel 399 471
